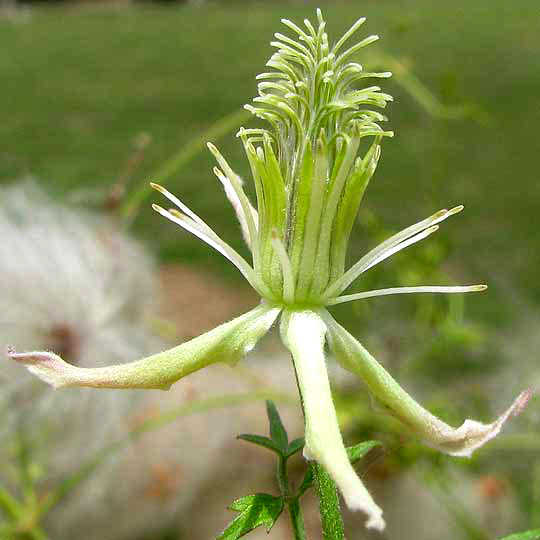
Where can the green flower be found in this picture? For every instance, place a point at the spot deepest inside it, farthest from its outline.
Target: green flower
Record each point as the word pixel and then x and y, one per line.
pixel 310 167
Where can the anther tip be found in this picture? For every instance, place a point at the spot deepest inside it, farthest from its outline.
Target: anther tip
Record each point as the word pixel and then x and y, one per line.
pixel 158 209
pixel 157 187
pixel 455 210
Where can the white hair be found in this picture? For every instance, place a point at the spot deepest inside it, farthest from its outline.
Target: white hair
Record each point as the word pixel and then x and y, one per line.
pixel 74 283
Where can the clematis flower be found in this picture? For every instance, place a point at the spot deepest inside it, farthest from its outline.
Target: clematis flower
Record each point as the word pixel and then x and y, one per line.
pixel 311 167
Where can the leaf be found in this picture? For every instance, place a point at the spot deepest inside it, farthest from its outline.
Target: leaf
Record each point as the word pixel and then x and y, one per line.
pixel 526 535
pixel 279 441
pixel 307 482
pixel 256 510
pixel 358 451
pixel 261 441
pixel 277 431
pixel 295 446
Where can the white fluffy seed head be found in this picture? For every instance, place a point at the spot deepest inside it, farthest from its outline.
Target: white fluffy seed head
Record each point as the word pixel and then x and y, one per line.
pixel 70 282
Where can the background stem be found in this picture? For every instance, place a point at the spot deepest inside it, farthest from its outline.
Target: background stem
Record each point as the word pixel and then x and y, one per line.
pixel 179 160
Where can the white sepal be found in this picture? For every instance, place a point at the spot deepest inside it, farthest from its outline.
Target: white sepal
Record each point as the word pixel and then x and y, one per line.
pixel 437 289
pixel 462 441
pixel 227 343
pixel 304 334
pixel 232 195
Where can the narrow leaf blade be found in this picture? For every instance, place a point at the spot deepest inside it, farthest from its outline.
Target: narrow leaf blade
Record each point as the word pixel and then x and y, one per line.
pixel 307 482
pixel 295 446
pixel 261 441
pixel 277 430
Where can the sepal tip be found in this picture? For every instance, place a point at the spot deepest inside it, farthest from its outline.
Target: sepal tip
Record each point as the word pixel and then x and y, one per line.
pixel 48 366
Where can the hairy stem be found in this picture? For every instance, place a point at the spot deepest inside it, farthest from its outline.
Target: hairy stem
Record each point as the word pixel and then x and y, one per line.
pixel 293 505
pixel 297 520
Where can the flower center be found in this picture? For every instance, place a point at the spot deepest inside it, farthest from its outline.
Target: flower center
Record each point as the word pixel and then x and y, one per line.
pixel 308 173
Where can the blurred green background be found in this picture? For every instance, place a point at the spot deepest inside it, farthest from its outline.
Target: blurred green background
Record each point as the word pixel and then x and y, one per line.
pixel 81 83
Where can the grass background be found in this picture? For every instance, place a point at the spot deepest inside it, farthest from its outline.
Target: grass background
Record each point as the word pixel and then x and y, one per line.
pixel 79 85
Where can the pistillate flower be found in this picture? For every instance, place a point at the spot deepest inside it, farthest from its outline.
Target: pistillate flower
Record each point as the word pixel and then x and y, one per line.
pixel 310 166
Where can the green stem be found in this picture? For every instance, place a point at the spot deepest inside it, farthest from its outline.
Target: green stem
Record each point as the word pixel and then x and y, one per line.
pixel 181 158
pixel 293 506
pixel 297 520
pixel 329 507
pixel 283 477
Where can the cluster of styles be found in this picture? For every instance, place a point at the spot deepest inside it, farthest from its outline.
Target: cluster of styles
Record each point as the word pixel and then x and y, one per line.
pixel 311 167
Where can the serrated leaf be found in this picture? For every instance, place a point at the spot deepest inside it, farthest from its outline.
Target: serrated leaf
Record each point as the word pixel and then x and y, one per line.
pixel 277 430
pixel 526 535
pixel 256 510
pixel 295 446
pixel 261 441
pixel 358 451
